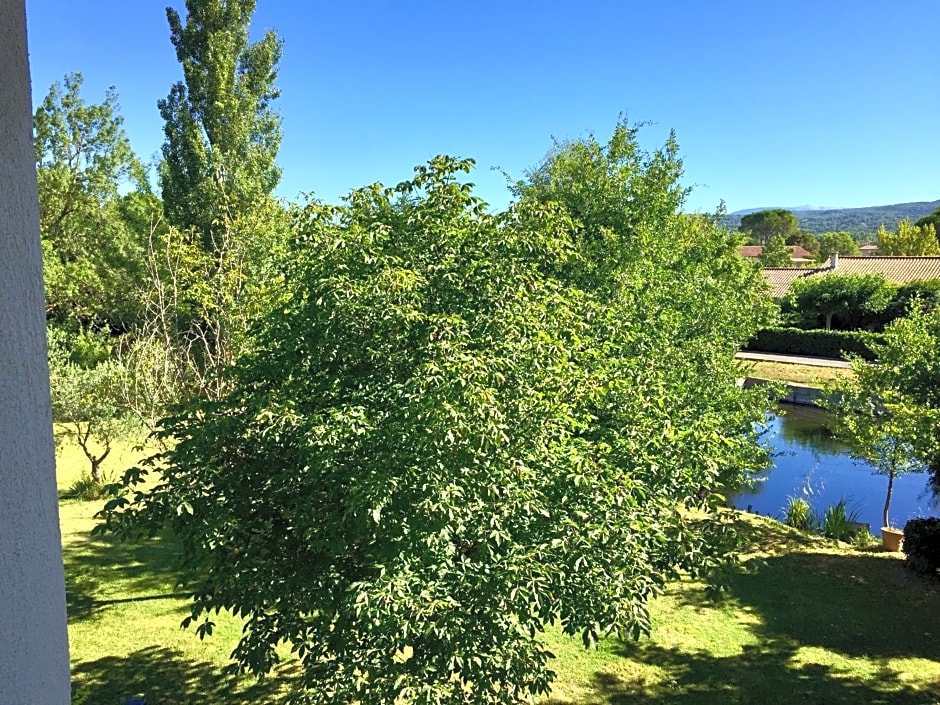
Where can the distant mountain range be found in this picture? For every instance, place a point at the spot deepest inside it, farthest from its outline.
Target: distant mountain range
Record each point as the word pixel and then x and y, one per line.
pixel 860 222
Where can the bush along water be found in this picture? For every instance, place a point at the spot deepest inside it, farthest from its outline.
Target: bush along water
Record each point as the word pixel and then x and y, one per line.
pixel 799 514
pixel 839 523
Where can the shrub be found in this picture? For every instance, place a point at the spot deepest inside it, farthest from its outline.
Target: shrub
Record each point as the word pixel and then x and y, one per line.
pixel 88 490
pixel 838 523
pixel 922 544
pixel 862 540
pixel 799 514
pixel 818 343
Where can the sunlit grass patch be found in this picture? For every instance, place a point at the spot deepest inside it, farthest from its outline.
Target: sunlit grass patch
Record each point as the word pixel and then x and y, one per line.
pixel 807 621
pixel 798 374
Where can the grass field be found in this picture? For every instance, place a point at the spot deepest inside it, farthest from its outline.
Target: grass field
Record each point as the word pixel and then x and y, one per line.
pixel 805 621
pixel 798 374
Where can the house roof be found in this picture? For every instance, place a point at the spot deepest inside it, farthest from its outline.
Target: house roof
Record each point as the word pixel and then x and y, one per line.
pixel 899 270
pixel 781 278
pixel 796 252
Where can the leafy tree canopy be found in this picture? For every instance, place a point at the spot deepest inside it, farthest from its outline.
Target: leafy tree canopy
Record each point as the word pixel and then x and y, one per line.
pixel 91 233
pixel 222 135
pixel 776 253
pixel 847 298
pixel 460 426
pixel 217 176
pixel 890 411
pixel 763 225
pixel 908 240
pixel 841 243
pixel 806 240
pixel 931 219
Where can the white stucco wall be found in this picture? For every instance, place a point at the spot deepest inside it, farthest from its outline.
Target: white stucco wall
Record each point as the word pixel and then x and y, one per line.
pixel 34 666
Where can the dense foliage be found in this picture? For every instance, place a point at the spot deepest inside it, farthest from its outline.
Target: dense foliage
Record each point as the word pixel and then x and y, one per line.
pixel 91 232
pixel 887 425
pixel 922 544
pixel 462 426
pixel 776 253
pixel 930 219
pixel 222 135
pixel 814 343
pixel 217 176
pixel 840 300
pixel 839 242
pixel 908 240
pixel 762 226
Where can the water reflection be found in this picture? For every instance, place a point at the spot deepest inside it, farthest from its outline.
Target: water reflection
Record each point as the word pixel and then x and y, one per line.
pixel 809 462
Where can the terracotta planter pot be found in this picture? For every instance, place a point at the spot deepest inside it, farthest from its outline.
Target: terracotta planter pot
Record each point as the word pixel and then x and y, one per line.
pixel 891 538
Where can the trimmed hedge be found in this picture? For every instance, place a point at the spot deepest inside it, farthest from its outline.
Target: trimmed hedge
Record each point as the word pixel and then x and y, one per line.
pixel 814 343
pixel 922 544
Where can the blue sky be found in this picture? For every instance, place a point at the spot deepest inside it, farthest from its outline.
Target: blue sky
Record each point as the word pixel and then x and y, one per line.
pixel 829 102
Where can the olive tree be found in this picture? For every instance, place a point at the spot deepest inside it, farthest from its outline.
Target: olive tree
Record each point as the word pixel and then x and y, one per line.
pixel 459 427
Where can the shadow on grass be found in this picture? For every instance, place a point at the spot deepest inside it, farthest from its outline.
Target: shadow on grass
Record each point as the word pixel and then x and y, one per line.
pixel 165 677
pixel 863 605
pixel 758 676
pixel 100 570
pixel 860 606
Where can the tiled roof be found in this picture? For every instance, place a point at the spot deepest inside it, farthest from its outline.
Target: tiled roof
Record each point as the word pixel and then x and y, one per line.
pixel 781 278
pixel 899 270
pixel 796 251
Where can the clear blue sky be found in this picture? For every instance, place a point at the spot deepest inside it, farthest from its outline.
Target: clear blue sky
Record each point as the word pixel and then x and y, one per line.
pixel 823 102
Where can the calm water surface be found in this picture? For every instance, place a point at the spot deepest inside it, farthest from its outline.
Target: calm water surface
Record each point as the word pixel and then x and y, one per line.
pixel 810 463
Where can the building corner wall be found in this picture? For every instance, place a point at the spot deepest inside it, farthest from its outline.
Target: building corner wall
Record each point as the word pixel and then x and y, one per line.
pixel 34 663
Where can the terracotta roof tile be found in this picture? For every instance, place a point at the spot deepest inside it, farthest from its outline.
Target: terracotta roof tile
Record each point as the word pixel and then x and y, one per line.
pixel 781 278
pixel 899 270
pixel 796 251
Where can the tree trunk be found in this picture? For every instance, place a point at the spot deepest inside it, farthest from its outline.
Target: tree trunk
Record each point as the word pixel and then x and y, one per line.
pixel 34 656
pixel 828 321
pixel 888 499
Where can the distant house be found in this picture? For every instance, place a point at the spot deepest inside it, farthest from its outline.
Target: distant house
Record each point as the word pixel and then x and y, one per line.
pixel 798 255
pixel 869 249
pixel 899 270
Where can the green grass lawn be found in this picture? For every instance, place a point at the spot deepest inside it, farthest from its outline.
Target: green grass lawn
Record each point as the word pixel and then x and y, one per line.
pixel 798 374
pixel 805 621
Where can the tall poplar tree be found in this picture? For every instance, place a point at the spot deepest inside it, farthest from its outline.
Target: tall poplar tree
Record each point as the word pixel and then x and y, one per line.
pixel 217 176
pixel 222 136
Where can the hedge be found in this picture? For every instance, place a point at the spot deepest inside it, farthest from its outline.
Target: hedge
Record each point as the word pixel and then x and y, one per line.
pixel 814 343
pixel 922 544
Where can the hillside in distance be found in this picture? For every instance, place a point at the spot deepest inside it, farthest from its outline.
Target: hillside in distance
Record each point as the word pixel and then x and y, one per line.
pixel 861 222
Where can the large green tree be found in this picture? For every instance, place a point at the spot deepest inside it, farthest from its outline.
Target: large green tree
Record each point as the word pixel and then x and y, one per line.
pixel 763 225
pixel 930 219
pixel 908 240
pixel 849 299
pixel 93 199
pixel 217 176
pixel 222 134
pixel 841 243
pixel 459 427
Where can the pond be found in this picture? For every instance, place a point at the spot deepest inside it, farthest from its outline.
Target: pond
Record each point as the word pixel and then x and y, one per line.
pixel 808 462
